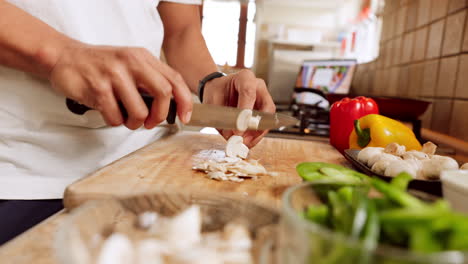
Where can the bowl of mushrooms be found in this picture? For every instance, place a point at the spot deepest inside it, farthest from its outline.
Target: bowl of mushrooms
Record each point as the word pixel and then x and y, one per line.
pixel 425 166
pixel 167 227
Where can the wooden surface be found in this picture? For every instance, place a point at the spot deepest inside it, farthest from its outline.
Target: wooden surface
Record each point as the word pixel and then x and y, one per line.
pixel 34 246
pixel 168 163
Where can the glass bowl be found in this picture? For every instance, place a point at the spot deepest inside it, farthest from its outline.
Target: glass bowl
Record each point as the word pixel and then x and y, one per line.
pixel 301 241
pixel 80 237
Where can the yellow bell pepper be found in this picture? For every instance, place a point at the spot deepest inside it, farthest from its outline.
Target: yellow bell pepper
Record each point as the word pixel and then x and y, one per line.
pixel 379 131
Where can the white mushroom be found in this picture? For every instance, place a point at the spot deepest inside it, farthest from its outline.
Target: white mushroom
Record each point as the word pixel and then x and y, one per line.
pixel 147 219
pixel 464 166
pixel 236 148
pixel 237 236
pixel 395 149
pixel 117 249
pixel 381 165
pixel 396 167
pixel 184 230
pixel 196 255
pixel 367 153
pixel 254 122
pixel 429 148
pixel 432 168
pixel 245 120
pixel 151 251
pixel 382 156
pixel 414 154
pixel 217 175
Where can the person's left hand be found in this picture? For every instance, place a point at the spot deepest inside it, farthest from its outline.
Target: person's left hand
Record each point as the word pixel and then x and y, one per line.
pixel 242 90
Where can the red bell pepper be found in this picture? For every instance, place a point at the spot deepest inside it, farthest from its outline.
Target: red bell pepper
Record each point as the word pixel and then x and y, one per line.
pixel 342 116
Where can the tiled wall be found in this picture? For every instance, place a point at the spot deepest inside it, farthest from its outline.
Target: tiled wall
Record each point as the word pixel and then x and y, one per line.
pixel 423 54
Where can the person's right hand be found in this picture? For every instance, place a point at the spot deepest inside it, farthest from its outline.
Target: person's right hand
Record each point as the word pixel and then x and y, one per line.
pixel 100 76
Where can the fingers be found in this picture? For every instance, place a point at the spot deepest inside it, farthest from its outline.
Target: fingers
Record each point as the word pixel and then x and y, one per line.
pixel 226 133
pixel 127 93
pixel 180 90
pixel 161 90
pixel 106 103
pixel 264 101
pixel 246 88
pixel 252 138
pixel 183 98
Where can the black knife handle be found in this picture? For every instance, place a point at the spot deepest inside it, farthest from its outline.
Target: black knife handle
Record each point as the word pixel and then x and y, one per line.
pixel 81 109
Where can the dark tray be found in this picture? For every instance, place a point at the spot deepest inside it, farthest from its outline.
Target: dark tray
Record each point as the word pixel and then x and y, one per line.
pixel 433 187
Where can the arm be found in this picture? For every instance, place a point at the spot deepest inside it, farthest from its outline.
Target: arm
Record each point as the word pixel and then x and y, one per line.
pixel 22 42
pixel 186 51
pixel 184 45
pixel 97 76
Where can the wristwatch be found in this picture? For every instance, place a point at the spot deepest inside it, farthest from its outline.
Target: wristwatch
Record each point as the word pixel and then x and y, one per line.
pixel 209 77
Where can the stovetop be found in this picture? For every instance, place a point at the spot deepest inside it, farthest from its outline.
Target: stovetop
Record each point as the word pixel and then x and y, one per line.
pixel 314 121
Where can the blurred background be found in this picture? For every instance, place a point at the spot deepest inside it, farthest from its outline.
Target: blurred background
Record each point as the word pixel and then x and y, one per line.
pixel 410 54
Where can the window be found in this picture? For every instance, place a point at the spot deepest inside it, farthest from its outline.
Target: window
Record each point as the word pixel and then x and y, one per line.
pixel 229 31
pixel 250 36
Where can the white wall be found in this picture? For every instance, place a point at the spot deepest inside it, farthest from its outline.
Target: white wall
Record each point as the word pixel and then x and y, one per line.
pixel 327 17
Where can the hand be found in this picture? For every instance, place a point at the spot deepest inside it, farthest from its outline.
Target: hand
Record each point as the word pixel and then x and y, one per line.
pixel 100 76
pixel 242 90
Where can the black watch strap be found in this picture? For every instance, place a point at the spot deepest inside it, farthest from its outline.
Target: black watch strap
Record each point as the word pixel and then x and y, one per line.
pixel 209 77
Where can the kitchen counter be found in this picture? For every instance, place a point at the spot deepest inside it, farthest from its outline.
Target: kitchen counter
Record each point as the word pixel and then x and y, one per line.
pixel 167 162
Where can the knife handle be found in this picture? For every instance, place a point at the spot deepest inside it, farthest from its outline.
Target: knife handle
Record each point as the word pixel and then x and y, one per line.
pixel 81 109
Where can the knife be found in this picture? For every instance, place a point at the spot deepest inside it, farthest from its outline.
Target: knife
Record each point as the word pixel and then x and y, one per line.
pixel 204 115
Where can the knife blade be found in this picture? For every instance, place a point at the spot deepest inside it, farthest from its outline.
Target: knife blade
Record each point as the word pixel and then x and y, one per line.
pixel 204 115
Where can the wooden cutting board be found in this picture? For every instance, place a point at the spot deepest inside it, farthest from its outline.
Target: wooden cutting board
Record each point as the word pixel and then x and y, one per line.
pixel 167 163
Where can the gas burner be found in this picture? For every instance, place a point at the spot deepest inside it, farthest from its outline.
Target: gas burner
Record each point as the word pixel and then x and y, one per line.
pixel 314 121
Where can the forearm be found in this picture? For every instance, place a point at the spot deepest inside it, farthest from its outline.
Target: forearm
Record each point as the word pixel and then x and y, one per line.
pixel 187 53
pixel 26 43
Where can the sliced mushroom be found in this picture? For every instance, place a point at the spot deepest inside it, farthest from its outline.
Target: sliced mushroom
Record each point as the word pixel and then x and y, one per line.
pixel 184 229
pixel 395 149
pixel 115 250
pixel 147 219
pixel 243 119
pixel 429 148
pixel 246 120
pixel 196 255
pixel 236 148
pixel 151 251
pixel 237 236
pixel 367 153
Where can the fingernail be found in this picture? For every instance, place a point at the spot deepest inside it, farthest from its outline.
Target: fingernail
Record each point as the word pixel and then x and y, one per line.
pixel 187 117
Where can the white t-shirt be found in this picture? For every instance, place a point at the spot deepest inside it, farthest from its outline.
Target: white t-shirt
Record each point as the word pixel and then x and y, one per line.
pixel 43 146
